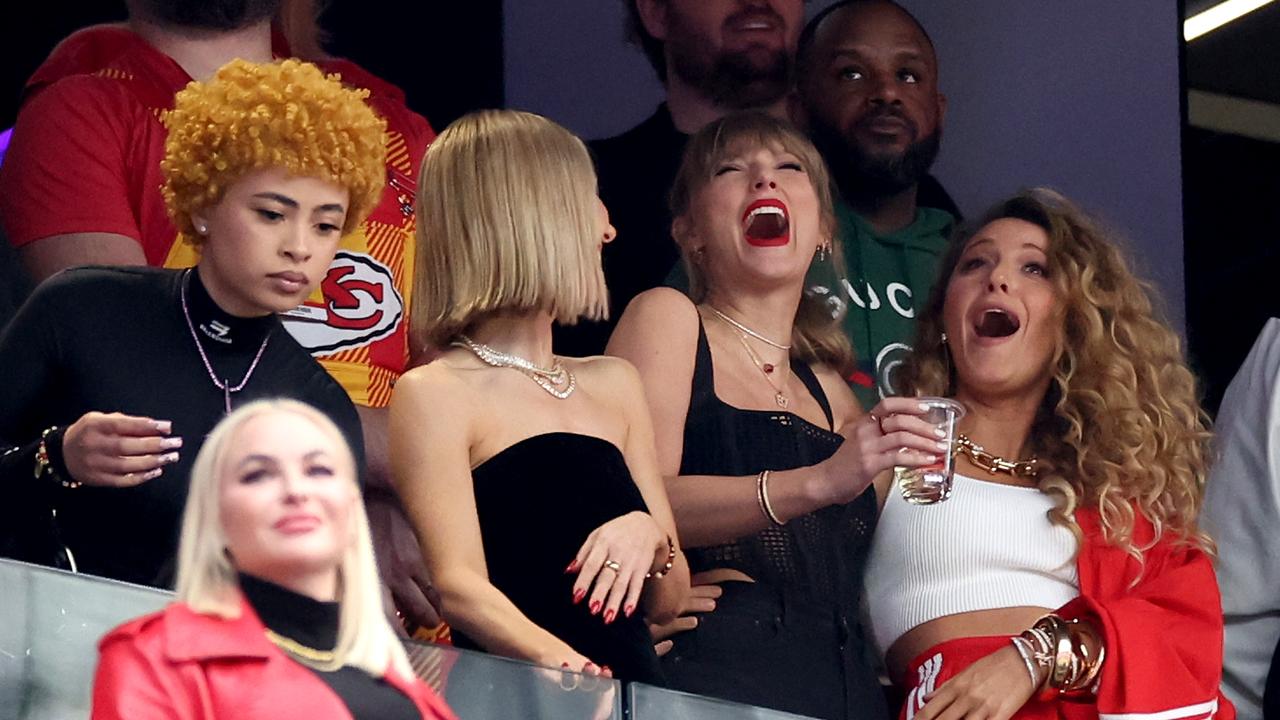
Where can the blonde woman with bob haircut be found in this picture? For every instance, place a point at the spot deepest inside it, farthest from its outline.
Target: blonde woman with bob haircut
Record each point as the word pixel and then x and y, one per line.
pixel 530 478
pixel 1066 576
pixel 278 594
pixel 767 455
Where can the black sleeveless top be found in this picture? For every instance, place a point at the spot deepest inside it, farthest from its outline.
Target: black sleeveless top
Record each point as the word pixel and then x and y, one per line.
pixel 537 502
pixel 821 555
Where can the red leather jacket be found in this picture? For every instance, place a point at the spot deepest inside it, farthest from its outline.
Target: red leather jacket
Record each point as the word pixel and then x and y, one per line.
pixel 178 664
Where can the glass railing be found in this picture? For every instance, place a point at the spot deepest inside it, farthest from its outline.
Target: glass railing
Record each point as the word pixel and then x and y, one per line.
pixel 51 621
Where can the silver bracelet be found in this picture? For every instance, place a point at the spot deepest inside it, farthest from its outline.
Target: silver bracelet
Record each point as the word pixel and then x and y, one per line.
pixel 1023 646
pixel 762 496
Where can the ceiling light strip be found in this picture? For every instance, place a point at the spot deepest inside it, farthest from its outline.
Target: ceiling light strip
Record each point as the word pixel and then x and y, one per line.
pixel 1217 16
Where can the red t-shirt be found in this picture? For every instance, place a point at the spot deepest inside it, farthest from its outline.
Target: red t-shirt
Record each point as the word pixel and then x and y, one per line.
pixel 85 157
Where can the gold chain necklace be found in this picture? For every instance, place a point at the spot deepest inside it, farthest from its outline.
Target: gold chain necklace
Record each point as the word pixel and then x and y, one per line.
pixel 994 463
pixel 323 660
pixel 767 369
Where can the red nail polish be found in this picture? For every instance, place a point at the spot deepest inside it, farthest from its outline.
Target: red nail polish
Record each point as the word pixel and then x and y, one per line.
pixel 578 595
pixel 572 566
pixel 564 665
pixel 608 616
pixel 595 606
pixel 608 672
pixel 629 609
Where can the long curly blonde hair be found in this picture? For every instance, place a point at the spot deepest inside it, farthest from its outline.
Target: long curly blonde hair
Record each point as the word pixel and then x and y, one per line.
pixel 286 114
pixel 1121 425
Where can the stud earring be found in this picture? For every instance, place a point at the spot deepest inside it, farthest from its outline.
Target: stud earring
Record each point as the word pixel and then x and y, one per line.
pixel 821 254
pixel 202 229
pixel 944 338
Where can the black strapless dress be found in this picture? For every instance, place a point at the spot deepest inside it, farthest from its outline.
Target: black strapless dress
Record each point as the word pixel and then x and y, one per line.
pixel 537 501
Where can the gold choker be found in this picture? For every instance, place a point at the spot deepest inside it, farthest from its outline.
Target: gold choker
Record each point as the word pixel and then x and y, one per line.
pixel 993 463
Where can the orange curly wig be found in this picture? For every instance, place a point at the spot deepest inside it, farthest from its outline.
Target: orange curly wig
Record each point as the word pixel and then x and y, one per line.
pixel 271 115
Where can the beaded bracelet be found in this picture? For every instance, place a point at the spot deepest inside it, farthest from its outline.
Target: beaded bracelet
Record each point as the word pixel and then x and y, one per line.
pixel 44 466
pixel 671 562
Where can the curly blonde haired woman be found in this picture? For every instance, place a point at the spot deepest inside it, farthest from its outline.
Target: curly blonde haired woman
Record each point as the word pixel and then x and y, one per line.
pixel 115 375
pixel 279 611
pixel 1065 577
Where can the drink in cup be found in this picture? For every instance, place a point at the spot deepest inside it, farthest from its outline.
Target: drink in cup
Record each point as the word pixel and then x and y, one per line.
pixel 930 484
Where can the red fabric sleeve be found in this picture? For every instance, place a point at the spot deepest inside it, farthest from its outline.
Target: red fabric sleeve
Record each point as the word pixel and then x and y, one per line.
pixel 66 167
pixel 129 684
pixel 1163 635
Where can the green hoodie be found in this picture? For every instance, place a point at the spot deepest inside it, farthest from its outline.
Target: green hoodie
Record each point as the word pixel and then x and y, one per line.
pixel 888 279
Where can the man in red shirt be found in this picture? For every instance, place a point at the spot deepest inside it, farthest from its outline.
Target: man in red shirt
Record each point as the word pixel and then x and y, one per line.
pixel 81 185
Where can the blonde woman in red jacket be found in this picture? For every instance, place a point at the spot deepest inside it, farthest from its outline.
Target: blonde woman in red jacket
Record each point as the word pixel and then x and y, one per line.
pixel 1065 577
pixel 279 612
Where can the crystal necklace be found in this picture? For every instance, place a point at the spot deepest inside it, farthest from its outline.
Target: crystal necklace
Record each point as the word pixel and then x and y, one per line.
pixel 558 381
pixel 224 384
pixel 994 463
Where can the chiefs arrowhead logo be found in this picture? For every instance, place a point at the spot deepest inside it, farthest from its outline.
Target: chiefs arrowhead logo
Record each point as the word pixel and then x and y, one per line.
pixel 360 305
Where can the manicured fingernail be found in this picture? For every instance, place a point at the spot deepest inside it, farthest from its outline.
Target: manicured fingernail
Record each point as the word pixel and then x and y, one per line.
pixel 931 458
pixel 595 606
pixel 608 616
pixel 564 665
pixel 925 407
pixel 170 458
pixel 152 474
pixel 578 595
pixel 573 565
pixel 940 432
pixel 171 443
pixel 163 426
pixel 942 445
pixel 588 667
pixel 629 609
pixel 608 671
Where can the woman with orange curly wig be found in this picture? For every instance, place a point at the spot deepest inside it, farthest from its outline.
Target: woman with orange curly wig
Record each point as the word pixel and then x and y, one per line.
pixel 114 376
pixel 1065 576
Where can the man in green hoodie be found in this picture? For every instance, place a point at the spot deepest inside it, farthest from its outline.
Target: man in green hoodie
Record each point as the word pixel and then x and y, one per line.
pixel 867 92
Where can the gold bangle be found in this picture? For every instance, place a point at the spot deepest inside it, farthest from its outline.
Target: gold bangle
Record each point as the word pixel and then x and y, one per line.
pixel 1072 651
pixel 762 496
pixel 671 562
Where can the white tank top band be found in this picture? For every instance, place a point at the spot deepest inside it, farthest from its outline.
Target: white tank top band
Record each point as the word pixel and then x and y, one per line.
pixel 989 546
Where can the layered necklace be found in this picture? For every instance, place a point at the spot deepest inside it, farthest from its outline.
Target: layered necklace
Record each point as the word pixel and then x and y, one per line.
pixel 743 332
pixel 557 380
pixel 223 384
pixel 994 464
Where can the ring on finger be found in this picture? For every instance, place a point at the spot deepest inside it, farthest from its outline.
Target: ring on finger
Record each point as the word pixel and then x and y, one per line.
pixel 613 565
pixel 879 421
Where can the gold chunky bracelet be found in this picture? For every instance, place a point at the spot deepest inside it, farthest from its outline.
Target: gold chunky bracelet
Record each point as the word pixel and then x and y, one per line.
pixel 1070 653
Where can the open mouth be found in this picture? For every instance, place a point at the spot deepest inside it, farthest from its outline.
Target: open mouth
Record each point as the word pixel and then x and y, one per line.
pixel 996 323
pixel 766 223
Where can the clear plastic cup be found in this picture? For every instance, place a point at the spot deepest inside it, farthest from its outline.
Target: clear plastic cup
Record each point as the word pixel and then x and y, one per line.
pixel 930 484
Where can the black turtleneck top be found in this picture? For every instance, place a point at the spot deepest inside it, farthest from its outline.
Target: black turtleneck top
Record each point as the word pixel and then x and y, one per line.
pixel 116 340
pixel 315 625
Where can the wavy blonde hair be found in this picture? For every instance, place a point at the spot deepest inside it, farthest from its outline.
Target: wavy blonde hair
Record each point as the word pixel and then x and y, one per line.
pixel 252 116
pixel 816 336
pixel 207 580
pixel 1121 425
pixel 507 222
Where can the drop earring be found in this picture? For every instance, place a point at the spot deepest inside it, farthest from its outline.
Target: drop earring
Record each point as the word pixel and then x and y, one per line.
pixel 821 254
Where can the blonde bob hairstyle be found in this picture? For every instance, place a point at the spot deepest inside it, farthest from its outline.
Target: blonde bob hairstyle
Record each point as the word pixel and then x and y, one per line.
pixel 254 116
pixel 1120 429
pixel 816 337
pixel 507 222
pixel 207 580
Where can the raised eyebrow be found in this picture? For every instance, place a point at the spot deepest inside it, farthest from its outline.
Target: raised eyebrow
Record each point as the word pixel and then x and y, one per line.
pixel 277 197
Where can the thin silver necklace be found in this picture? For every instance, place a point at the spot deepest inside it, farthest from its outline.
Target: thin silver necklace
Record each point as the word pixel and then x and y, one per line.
pixel 557 380
pixel 224 384
pixel 747 330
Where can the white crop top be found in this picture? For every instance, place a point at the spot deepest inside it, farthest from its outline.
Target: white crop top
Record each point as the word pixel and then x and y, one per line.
pixel 988 546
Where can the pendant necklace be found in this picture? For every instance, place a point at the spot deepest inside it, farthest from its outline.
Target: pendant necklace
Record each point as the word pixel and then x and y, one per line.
pixel 224 384
pixel 557 380
pixel 742 331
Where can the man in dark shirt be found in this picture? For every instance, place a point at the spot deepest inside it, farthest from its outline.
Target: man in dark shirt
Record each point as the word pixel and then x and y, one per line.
pixel 867 90
pixel 714 57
